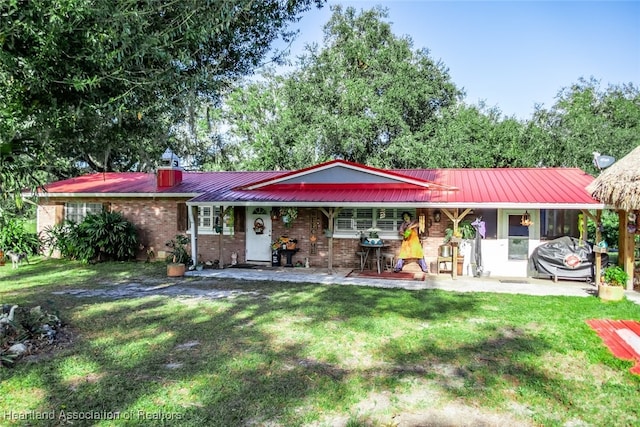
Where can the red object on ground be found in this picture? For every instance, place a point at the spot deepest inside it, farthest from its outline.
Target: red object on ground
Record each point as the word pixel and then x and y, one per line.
pixel 622 337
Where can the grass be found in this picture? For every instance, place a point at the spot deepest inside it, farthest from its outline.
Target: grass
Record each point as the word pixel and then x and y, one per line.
pixel 306 354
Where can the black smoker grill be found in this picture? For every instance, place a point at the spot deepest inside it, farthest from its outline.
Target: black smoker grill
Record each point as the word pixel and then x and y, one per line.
pixel 565 258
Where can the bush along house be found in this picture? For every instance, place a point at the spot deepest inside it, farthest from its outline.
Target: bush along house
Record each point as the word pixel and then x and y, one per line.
pixel 327 208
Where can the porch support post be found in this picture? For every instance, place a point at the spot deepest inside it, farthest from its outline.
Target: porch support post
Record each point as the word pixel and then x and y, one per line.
pixel 626 248
pixel 193 216
pixel 223 212
pixel 455 217
pixel 330 214
pixel 597 250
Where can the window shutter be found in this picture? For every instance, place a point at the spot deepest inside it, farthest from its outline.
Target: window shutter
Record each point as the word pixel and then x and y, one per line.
pixel 183 217
pixel 59 213
pixel 239 219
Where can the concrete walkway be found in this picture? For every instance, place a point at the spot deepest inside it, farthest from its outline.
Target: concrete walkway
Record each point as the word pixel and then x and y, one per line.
pixel 520 285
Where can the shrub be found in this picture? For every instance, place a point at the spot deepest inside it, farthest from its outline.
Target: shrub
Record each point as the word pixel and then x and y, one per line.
pixel 66 238
pixel 14 236
pixel 609 230
pixel 615 276
pixel 110 235
pixel 99 237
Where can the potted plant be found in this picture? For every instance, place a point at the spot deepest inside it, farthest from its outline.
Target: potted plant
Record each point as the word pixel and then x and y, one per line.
pixel 178 256
pixel 374 238
pixel 288 214
pixel 465 231
pixel 612 284
pixel 280 243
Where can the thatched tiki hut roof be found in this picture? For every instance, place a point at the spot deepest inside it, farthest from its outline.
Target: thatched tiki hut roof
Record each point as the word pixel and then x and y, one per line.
pixel 619 185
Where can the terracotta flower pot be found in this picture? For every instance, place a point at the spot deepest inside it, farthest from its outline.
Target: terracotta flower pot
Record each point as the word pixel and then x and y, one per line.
pixel 175 269
pixel 459 266
pixel 610 293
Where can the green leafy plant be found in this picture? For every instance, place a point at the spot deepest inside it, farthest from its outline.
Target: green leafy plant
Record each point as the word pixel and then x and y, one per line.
pixel 178 253
pixel 66 238
pixel 99 237
pixel 373 233
pixel 465 231
pixel 110 235
pixel 615 276
pixel 609 228
pixel 15 236
pixel 288 214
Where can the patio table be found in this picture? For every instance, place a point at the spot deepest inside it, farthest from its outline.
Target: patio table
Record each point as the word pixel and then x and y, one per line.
pixel 367 248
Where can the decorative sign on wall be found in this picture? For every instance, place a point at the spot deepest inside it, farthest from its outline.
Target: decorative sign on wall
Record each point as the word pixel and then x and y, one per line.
pixel 313 232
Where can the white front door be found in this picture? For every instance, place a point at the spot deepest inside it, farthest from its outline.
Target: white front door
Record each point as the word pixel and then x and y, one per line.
pixel 258 235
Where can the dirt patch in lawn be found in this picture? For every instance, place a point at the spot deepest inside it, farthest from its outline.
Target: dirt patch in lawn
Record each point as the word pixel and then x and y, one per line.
pixel 162 287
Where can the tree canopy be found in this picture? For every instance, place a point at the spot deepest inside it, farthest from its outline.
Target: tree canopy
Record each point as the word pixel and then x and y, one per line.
pixel 107 85
pixel 367 96
pixel 104 82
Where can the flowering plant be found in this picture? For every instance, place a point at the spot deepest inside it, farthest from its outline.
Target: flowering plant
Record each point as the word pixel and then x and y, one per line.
pixel 282 241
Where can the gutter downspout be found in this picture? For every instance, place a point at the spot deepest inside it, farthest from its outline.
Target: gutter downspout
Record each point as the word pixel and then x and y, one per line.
pixel 193 212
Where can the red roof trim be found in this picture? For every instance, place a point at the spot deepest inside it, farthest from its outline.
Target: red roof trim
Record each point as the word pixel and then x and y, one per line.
pixel 342 187
pixel 351 165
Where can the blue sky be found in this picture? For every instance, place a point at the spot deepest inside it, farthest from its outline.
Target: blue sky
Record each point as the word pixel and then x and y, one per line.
pixel 512 54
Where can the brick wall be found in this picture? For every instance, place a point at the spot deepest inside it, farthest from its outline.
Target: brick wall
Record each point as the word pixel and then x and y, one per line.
pixel 344 250
pixel 156 221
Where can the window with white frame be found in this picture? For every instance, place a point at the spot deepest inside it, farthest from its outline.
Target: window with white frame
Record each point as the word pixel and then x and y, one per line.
pixel 350 221
pixel 209 220
pixel 77 211
pixel 205 217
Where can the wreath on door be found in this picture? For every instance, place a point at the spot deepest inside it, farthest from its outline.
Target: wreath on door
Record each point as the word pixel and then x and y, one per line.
pixel 258 226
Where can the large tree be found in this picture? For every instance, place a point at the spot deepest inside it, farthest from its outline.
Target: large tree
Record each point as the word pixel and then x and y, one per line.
pixel 364 96
pixel 586 119
pixel 476 136
pixel 105 81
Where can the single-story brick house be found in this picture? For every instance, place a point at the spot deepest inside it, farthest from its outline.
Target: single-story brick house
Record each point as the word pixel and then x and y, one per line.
pixel 240 214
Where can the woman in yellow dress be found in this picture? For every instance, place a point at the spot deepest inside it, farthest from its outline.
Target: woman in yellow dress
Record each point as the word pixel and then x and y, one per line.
pixel 411 246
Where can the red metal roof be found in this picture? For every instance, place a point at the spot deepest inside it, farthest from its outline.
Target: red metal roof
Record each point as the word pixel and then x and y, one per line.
pixel 561 187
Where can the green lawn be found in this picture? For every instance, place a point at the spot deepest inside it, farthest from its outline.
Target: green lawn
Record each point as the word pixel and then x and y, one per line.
pixel 283 354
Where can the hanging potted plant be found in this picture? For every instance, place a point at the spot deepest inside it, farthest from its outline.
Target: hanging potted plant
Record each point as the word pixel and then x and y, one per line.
pixel 288 215
pixel 612 284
